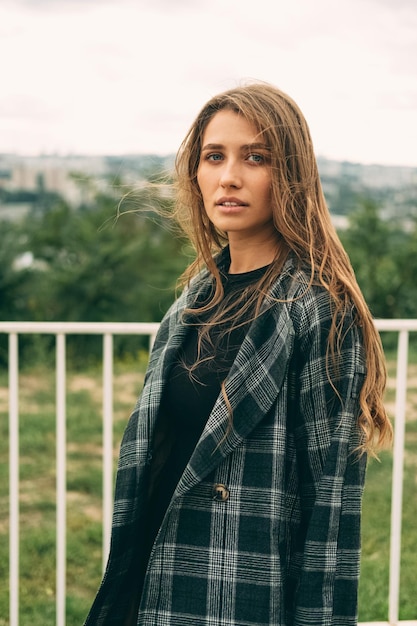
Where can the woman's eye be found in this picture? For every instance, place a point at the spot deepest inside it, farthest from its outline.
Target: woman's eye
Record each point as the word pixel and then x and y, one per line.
pixel 214 157
pixel 256 158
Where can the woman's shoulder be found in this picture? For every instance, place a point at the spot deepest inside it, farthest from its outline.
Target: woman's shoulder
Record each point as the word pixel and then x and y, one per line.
pixel 297 283
pixel 308 301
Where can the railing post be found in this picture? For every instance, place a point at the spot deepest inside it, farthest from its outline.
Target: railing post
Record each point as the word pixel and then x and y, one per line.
pixel 107 442
pixel 61 481
pixel 14 478
pixel 397 477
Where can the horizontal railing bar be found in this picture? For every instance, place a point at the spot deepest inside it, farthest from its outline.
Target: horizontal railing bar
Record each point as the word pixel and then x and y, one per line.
pixel 80 328
pixel 396 324
pixel 144 328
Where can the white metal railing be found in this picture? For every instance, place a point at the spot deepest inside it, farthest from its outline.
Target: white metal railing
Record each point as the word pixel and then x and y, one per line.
pixel 108 331
pixel 60 330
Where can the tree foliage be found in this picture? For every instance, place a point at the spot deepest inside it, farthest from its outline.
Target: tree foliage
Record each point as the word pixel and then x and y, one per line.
pixel 383 255
pixel 96 263
pixel 91 264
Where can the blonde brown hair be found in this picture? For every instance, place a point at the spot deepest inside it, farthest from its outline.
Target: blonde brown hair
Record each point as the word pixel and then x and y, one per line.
pixel 302 220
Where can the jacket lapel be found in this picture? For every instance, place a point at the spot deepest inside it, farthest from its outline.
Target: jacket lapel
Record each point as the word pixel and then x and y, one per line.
pixel 252 386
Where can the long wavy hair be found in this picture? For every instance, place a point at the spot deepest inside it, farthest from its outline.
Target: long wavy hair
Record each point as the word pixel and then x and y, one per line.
pixel 303 224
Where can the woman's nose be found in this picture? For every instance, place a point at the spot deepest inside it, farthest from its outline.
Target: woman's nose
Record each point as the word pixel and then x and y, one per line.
pixel 230 175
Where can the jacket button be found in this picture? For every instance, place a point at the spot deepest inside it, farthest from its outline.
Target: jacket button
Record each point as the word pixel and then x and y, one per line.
pixel 220 493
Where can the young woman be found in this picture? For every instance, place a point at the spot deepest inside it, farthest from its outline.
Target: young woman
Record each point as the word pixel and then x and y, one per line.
pixel 241 470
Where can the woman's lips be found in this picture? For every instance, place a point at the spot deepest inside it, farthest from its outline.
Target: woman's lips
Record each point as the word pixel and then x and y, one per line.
pixel 230 205
pixel 230 202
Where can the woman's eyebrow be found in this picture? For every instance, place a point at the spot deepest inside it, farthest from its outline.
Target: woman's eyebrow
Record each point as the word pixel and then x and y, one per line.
pixel 248 146
pixel 212 146
pixel 256 146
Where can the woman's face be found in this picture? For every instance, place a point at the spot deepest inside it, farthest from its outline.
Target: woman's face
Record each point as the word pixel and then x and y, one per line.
pixel 234 176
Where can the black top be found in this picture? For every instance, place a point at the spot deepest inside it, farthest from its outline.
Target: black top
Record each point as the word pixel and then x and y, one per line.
pixel 189 397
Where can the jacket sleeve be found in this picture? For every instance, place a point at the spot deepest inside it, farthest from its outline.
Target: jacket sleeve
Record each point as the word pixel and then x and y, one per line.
pixel 330 469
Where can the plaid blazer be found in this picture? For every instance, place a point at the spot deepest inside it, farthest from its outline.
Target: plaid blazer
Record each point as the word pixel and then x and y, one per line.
pixel 264 525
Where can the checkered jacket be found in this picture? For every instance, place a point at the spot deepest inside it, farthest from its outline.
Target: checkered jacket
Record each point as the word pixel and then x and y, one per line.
pixel 264 526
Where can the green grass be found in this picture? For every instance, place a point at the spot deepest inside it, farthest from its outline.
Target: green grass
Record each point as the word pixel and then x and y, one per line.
pixel 84 484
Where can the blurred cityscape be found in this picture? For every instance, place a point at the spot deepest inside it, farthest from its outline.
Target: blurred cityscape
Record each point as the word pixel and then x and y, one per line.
pixel 77 179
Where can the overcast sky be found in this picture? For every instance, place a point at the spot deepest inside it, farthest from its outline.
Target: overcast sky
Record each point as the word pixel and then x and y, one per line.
pixel 129 76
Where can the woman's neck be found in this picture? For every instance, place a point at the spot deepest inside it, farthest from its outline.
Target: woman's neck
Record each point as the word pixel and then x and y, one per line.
pixel 248 255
